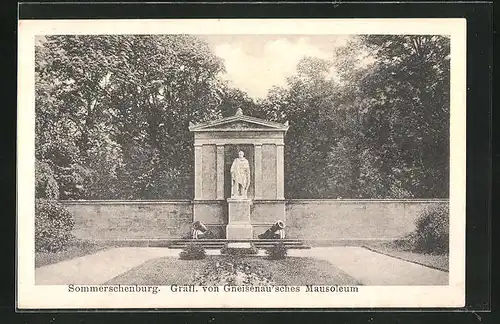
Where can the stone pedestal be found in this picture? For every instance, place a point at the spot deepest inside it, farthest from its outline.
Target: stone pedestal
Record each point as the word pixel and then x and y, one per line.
pixel 239 225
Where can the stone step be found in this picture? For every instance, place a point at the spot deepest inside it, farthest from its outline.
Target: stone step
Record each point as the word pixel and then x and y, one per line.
pixel 221 246
pixel 209 244
pixel 223 242
pixel 236 240
pixel 261 244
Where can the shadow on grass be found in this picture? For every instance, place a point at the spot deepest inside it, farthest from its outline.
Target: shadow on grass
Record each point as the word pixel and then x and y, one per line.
pixel 396 250
pixel 75 249
pixel 289 271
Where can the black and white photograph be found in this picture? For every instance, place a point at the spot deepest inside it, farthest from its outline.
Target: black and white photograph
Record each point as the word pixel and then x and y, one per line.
pixel 249 163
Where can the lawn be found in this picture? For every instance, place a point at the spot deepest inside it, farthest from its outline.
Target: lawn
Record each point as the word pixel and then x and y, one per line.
pixel 289 271
pixel 437 261
pixel 74 250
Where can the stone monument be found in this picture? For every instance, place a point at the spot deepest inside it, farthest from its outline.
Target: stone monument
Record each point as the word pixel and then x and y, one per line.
pixel 239 169
pixel 239 226
pixel 240 176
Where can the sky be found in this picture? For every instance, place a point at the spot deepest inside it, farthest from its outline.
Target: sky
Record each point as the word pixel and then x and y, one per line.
pixel 255 63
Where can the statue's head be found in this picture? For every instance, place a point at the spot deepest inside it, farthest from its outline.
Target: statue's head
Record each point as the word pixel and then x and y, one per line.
pixel 241 154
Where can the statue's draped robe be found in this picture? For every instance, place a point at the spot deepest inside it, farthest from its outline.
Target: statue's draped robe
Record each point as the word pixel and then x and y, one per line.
pixel 240 174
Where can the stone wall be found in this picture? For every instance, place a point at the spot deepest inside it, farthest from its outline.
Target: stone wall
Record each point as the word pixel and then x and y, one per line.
pixel 311 220
pixel 331 220
pixel 131 219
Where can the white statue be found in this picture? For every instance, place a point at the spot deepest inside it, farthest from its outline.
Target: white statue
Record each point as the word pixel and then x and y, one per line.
pixel 240 176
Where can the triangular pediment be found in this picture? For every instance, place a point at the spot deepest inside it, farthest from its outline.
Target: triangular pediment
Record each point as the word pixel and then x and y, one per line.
pixel 239 123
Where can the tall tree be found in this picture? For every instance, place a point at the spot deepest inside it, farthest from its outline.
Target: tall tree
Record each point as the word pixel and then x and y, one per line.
pixel 168 82
pixel 121 105
pixel 311 104
pixel 406 119
pixel 373 126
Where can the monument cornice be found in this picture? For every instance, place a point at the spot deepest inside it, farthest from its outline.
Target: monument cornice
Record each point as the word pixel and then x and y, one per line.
pixel 238 130
pixel 231 123
pixel 249 140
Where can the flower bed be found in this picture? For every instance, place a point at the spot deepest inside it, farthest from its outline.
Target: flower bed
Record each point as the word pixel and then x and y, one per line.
pixel 231 271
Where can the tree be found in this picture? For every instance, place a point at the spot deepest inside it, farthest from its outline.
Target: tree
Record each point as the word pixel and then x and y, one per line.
pixel 112 112
pixel 168 82
pixel 377 128
pixel 311 104
pixel 233 98
pixel 407 113
pixel 74 122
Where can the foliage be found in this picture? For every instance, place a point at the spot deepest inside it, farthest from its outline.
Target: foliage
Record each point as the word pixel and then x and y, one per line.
pixel 232 99
pixel 193 251
pixel 53 225
pixel 112 116
pixel 238 251
pixel 112 112
pixel 377 128
pixel 407 115
pixel 431 234
pixel 277 251
pixel 232 272
pixel 45 182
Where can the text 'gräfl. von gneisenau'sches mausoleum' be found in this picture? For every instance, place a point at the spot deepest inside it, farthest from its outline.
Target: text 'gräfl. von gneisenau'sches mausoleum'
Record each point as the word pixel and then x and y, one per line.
pixel 239 194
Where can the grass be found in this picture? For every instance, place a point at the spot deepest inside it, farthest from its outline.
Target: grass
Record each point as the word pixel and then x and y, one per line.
pixel 437 261
pixel 75 249
pixel 289 271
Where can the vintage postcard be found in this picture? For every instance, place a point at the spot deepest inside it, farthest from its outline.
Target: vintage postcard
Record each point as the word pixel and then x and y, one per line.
pixel 241 163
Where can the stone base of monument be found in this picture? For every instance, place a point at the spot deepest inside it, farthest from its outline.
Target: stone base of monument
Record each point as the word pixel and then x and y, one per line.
pixel 239 226
pixel 239 248
pixel 239 231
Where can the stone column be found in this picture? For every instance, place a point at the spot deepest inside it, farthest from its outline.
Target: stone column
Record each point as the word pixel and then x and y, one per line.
pixel 220 171
pixel 280 171
pixel 257 171
pixel 198 171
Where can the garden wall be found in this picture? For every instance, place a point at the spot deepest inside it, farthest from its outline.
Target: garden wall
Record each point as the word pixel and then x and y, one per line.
pixel 131 219
pixel 319 221
pixel 333 220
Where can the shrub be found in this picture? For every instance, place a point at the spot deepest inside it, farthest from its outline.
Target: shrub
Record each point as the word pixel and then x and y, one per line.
pixel 238 251
pixel 45 182
pixel 277 251
pixel 432 231
pixel 193 251
pixel 53 225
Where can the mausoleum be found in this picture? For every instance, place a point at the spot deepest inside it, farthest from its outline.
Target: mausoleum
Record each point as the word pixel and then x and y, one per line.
pixel 216 145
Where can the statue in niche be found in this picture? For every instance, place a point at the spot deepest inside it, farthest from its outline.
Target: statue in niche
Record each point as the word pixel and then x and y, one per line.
pixel 240 176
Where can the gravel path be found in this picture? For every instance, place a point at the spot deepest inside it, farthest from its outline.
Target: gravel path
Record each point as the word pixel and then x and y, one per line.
pixel 373 268
pixel 99 267
pixel 368 267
